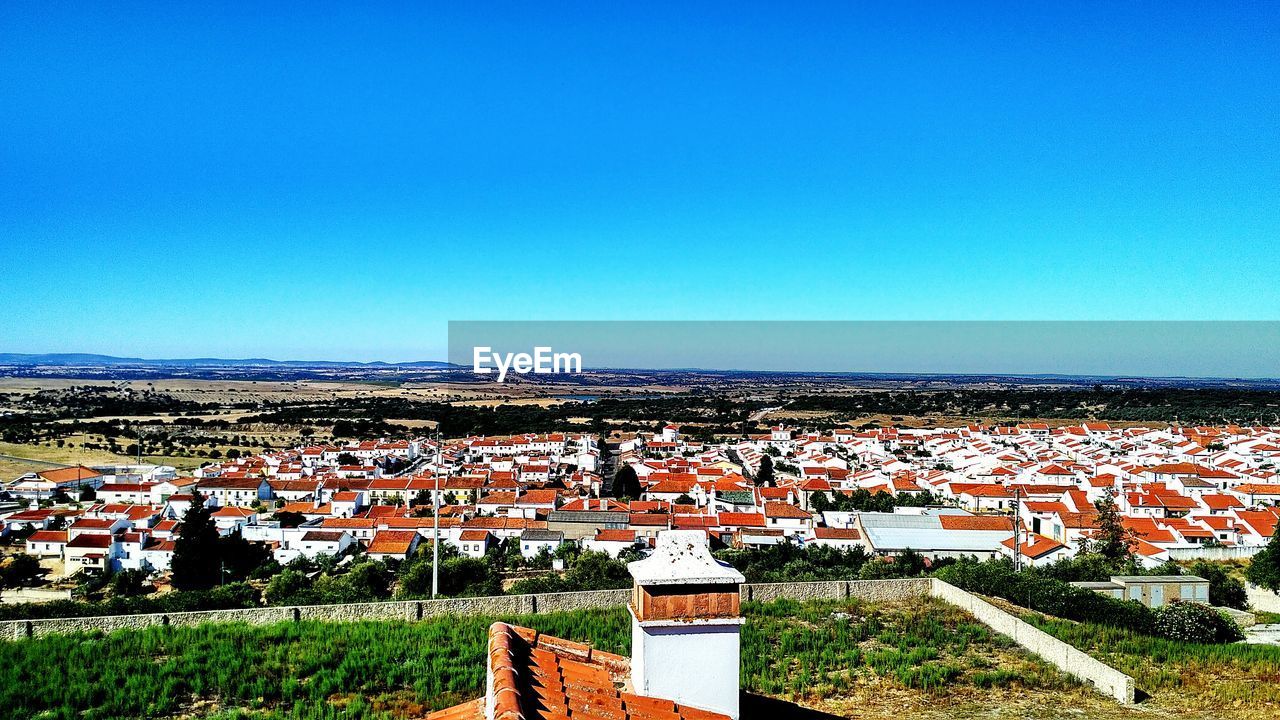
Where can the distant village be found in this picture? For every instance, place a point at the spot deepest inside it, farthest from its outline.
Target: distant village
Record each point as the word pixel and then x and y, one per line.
pixel 1027 492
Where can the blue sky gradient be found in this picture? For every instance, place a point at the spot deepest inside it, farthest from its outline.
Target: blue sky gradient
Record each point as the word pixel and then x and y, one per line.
pixel 320 181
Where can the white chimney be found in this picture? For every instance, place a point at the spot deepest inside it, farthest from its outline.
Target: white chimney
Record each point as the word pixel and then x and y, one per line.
pixel 685 623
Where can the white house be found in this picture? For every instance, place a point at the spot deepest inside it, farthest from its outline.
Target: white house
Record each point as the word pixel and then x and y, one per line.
pixel 611 542
pixel 475 543
pixel 309 543
pixel 47 543
pixel 533 542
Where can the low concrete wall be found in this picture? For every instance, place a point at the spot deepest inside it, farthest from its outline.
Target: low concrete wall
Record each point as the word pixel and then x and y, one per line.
pixel 1061 655
pixel 26 595
pixel 17 629
pixel 1262 599
pixel 593 600
pixel 409 610
pixel 1213 553
pixel 868 590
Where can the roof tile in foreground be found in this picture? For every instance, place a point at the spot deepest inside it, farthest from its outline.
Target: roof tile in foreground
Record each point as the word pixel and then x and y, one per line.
pixel 540 677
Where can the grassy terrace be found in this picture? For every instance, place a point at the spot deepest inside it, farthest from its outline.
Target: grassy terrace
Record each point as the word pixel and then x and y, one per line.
pixel 1219 681
pixel 922 659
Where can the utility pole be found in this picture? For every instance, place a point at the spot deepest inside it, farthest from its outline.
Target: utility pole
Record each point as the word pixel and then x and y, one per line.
pixel 435 521
pixel 1017 530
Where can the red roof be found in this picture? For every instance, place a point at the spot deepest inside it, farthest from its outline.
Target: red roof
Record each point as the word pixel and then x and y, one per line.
pixel 1263 522
pixel 627 536
pixel 980 490
pixel 1036 546
pixel 650 519
pixel 976 522
pixel 539 677
pixel 392 542
pixel 785 510
pixel 1220 502
pixel 741 519
pixel 91 541
pixel 322 536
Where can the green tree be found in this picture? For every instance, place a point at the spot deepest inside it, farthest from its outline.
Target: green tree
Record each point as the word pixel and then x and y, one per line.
pixel 459 576
pixel 195 552
pixel 764 478
pixel 238 558
pixel 1113 540
pixel 17 570
pixel 289 519
pixel 626 484
pixel 1224 590
pixel 368 580
pixel 1264 570
pixel 127 583
pixel 289 587
pixel 819 502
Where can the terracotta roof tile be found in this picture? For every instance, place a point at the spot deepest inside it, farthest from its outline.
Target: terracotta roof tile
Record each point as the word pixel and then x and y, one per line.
pixel 539 677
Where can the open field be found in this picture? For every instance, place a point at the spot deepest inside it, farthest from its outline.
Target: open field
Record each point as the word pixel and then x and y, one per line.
pixel 10 469
pixel 66 455
pixel 878 661
pixel 250 391
pixel 929 421
pixel 73 454
pixel 219 391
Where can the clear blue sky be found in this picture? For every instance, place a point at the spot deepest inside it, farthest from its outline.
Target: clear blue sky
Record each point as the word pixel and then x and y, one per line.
pixel 329 182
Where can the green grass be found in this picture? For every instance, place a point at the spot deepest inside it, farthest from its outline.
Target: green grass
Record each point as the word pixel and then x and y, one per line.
pixel 1181 674
pixel 288 670
pixel 816 651
pixel 845 657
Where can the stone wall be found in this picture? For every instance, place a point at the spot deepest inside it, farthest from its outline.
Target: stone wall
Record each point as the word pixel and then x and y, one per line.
pixel 868 590
pixel 1214 553
pixel 1262 599
pixel 1061 655
pixel 26 595
pixel 396 610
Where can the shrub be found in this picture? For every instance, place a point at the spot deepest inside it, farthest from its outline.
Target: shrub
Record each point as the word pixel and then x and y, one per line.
pixel 1047 595
pixel 1194 622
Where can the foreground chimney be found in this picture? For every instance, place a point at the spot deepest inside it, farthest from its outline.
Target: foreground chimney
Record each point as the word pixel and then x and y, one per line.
pixel 685 623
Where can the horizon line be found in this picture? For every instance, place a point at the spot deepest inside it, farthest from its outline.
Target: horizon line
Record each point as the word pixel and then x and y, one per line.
pixel 210 361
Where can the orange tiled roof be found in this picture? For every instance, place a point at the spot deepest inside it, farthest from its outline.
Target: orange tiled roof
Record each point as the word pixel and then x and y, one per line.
pixel 538 677
pixel 392 542
pixel 605 535
pixel 58 475
pixel 785 510
pixel 976 522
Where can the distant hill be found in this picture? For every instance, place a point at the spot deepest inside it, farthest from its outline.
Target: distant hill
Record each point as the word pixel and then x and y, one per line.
pixel 83 359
